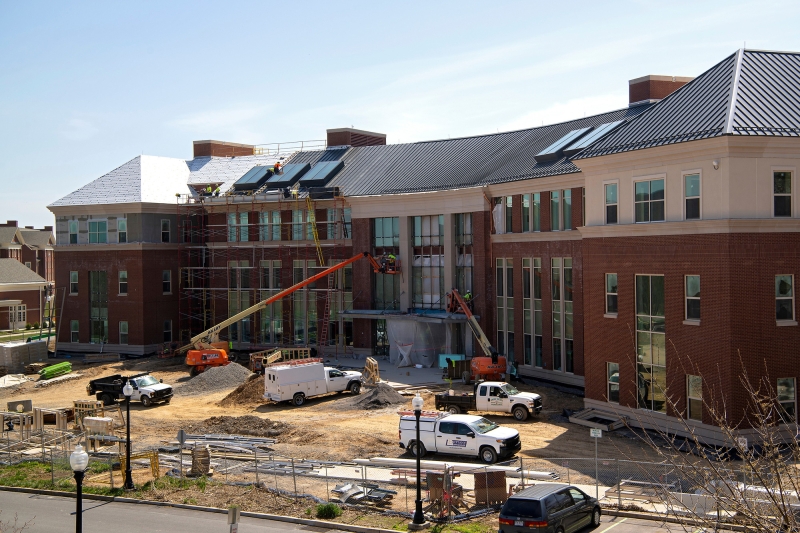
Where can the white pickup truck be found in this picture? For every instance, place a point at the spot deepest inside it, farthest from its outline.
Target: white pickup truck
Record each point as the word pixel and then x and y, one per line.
pixel 469 435
pixel 492 396
pixel 296 381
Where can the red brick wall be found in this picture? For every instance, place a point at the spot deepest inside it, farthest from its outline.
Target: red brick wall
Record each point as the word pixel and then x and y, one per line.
pixel 31 301
pixel 221 149
pixel 652 89
pixel 362 281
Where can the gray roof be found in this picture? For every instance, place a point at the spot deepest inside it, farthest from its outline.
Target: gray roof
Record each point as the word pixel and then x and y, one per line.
pixel 7 234
pixel 226 170
pixel 12 271
pixel 455 163
pixel 37 238
pixel 747 93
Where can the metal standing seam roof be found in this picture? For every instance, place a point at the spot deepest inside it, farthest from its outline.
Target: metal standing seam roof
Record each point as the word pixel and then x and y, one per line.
pixel 748 93
pixel 12 271
pixel 454 163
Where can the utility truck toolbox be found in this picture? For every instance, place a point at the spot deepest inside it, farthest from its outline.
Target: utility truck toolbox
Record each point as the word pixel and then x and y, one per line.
pixel 295 381
pixel 494 396
pixel 469 435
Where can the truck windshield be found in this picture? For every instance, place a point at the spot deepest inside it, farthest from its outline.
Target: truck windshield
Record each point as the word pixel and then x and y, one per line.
pixel 146 380
pixel 508 389
pixel 483 426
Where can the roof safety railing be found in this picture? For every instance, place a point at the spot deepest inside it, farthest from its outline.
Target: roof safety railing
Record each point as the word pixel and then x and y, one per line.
pixel 291 146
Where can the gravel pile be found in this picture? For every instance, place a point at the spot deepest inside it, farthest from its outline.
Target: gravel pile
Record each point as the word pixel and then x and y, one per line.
pixel 240 425
pixel 381 396
pixel 215 379
pixel 249 392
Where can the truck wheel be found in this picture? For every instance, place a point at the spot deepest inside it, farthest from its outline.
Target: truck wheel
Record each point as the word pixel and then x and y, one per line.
pixel 232 357
pixel 416 449
pixel 454 410
pixel 298 399
pixel 520 412
pixel 488 455
pixel 146 401
pixel 596 517
pixel 355 388
pixel 166 402
pixel 107 399
pixel 193 371
pixel 466 377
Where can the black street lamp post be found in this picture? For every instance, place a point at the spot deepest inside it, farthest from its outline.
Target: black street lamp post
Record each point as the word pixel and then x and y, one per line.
pixel 419 517
pixel 127 390
pixel 78 461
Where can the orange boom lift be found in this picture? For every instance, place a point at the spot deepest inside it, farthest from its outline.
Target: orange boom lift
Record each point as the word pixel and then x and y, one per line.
pixel 492 366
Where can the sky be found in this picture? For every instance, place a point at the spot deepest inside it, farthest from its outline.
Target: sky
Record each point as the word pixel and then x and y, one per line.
pixel 87 86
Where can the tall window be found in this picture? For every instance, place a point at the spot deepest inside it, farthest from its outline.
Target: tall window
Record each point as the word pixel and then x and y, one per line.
pixel 505 307
pixel 387 232
pixel 123 332
pixel 612 203
pixel 301 228
pixel 166 281
pixel 566 202
pixel 73 282
pixel 73 331
pixel 73 232
pixel 526 212
pixel 339 223
pixel 532 310
pixel 123 282
pixel 238 227
pixel 649 201
pixel 463 241
pixel 694 398
pixel 509 211
pixel 165 230
pixel 168 331
pixel 692 297
pixel 239 294
pixel 611 294
pixel 555 213
pixel 651 343
pixel 269 226
pixel 98 306
pixel 122 230
pixel 561 274
pixel 271 315
pixel 782 189
pixel 536 210
pixel 98 231
pixel 233 228
pixel 427 270
pixel 612 382
pixel 784 297
pixel 787 399
pixel 691 191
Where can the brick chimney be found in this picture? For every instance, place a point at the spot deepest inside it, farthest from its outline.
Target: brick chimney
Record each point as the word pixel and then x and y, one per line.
pixel 653 88
pixel 9 224
pixel 222 149
pixel 354 137
pixel 28 227
pixel 47 228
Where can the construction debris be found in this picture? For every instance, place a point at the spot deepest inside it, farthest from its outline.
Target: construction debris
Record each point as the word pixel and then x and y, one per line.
pixel 383 395
pixel 240 425
pixel 371 375
pixel 215 379
pixel 59 379
pixel 249 392
pixel 34 368
pixel 13 380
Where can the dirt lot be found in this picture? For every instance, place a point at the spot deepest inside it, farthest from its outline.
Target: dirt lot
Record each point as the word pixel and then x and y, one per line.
pixel 328 428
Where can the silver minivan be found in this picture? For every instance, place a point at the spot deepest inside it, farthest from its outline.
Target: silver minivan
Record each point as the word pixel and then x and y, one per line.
pixel 549 508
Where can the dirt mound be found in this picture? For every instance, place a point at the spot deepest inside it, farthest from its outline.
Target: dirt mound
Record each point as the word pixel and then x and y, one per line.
pixel 250 392
pixel 241 425
pixel 381 396
pixel 215 379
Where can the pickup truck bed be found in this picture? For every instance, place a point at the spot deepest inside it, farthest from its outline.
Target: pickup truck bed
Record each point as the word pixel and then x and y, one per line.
pixel 464 402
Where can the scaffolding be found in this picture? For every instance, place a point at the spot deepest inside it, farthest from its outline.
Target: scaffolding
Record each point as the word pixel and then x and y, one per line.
pixel 236 250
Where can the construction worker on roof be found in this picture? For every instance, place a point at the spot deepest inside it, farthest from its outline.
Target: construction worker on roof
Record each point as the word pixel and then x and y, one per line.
pixel 468 298
pixel 208 190
pixel 216 191
pixel 277 167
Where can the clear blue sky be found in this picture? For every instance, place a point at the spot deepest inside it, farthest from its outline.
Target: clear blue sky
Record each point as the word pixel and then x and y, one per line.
pixel 84 87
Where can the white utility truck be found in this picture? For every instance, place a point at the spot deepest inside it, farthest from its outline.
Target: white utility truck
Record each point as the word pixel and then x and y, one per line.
pixel 495 396
pixel 295 381
pixel 469 435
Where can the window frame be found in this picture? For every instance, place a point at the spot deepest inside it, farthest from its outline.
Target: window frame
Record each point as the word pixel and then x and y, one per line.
pixel 74 331
pixel 73 285
pixel 606 205
pixel 608 312
pixel 684 175
pixel 121 333
pixel 508 213
pixel 71 233
pixel 642 179
pixel 686 298
pixel 97 232
pixel 792 186
pixel 167 231
pixel 120 232
pixel 651 331
pixel 785 321
pixel 120 282
pixel 793 401
pixel 166 281
pixel 689 398
pixel 168 329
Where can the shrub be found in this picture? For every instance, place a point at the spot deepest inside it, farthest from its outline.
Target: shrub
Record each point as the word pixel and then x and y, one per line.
pixel 35 325
pixel 28 326
pixel 328 511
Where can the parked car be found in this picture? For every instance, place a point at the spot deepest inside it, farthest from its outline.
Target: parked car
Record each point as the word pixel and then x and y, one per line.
pixel 295 381
pixel 146 389
pixel 496 396
pixel 549 508
pixel 469 435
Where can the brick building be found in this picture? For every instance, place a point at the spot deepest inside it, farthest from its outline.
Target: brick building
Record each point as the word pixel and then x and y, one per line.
pixel 585 244
pixel 26 271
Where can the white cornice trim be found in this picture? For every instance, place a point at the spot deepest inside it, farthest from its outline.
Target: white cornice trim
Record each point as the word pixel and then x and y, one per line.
pixel 422 203
pixel 114 247
pixel 548 236
pixel 755 225
pixel 529 185
pixel 113 209
pixel 27 286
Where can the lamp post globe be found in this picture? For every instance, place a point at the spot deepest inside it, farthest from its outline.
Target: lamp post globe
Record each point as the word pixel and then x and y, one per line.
pixel 419 517
pixel 78 461
pixel 127 390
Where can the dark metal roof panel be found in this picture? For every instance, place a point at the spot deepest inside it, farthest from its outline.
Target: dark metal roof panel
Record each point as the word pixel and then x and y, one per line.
pixel 768 99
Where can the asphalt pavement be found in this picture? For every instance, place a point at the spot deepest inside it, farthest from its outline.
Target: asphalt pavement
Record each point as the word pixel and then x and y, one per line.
pixel 56 514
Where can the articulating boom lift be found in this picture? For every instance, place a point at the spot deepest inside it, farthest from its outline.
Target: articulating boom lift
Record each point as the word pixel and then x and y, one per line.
pixel 492 365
